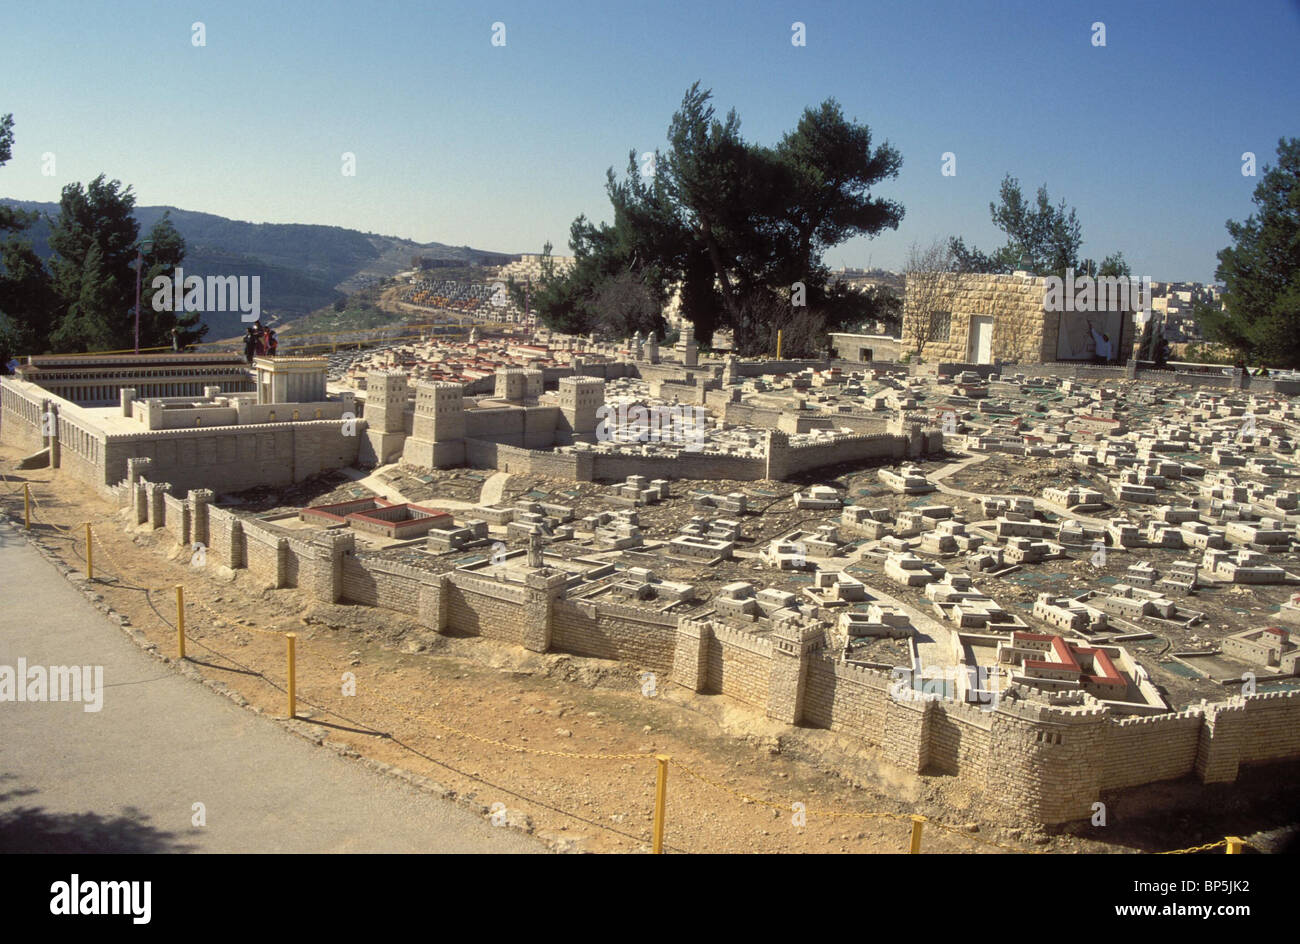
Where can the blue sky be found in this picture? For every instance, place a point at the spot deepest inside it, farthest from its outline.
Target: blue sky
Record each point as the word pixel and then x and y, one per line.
pixel 462 142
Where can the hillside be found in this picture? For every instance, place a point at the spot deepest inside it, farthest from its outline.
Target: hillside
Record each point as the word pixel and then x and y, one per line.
pixel 303 267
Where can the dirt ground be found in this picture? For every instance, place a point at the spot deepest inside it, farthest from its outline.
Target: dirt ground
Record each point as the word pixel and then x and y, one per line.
pixel 494 724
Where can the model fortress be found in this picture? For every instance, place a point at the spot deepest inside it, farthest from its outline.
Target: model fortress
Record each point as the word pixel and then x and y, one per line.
pixel 911 621
pixel 207 421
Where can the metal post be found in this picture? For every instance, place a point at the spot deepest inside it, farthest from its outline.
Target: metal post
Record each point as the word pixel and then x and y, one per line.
pixel 661 800
pixel 293 675
pixel 180 621
pixel 139 270
pixel 917 820
pixel 27 507
pixel 90 566
pixel 778 344
pixel 1235 844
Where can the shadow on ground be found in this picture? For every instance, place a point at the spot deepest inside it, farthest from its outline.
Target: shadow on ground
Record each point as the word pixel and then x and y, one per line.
pixel 29 828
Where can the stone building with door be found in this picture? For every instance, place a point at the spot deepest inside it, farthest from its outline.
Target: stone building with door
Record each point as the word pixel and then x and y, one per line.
pixel 975 318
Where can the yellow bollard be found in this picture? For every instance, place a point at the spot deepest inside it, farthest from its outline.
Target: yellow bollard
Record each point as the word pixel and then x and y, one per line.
pixel 661 800
pixel 778 344
pixel 1235 844
pixel 27 507
pixel 917 820
pixel 90 566
pixel 180 621
pixel 293 675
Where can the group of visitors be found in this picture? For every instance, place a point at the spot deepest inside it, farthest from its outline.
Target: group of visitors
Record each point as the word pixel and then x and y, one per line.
pixel 259 341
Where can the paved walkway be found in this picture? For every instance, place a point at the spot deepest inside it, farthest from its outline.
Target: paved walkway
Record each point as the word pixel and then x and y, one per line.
pixel 493 488
pixel 125 778
pixel 1042 504
pixel 389 491
pixel 372 481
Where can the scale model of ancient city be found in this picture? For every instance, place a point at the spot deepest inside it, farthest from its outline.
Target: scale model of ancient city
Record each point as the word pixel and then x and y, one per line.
pixel 1050 578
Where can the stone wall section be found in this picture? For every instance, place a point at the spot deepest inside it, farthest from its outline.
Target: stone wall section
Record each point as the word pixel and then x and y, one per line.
pixel 739 665
pixel 642 637
pixel 1039 763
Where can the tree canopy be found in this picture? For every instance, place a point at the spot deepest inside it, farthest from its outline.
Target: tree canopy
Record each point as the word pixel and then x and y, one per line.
pixel 94 242
pixel 1260 272
pixel 25 298
pixel 1042 239
pixel 734 229
pixel 83 297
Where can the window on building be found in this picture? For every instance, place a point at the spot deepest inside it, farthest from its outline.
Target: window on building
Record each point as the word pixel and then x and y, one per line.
pixel 940 325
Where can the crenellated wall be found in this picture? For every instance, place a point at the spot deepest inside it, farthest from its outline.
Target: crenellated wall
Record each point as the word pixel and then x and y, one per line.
pixel 632 634
pixel 1035 762
pixel 738 664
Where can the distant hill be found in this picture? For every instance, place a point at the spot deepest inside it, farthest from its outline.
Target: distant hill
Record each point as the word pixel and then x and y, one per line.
pixel 303 267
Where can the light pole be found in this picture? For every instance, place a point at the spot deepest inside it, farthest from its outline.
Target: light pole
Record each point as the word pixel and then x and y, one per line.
pixel 139 271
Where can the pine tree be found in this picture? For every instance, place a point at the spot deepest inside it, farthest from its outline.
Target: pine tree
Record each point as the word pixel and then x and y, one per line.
pixel 94 242
pixel 26 300
pixel 1261 272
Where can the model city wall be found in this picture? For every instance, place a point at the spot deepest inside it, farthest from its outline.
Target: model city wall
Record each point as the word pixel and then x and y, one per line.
pixel 1033 762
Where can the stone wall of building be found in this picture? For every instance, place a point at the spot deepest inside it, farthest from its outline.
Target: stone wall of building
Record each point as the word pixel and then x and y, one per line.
pixel 531 427
pixel 749 414
pixel 1023 332
pixel 845 697
pixel 481 607
pixel 264 553
pixel 616 467
pixel 632 634
pixel 299 557
pixel 959 740
pixel 1134 757
pixel 1015 304
pixel 224 458
pixel 785 460
pixel 20 415
pixel 381 583
pixel 739 664
pixel 225 538
pixel 865 348
pixel 79 455
pixel 1268 731
pixel 490 455
pixel 177 513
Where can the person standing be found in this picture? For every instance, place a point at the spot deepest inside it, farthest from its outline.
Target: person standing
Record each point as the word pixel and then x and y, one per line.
pixel 250 344
pixel 176 339
pixel 1101 342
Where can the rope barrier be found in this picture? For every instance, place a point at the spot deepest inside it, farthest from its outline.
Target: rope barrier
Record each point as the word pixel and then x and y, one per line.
pixel 1194 849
